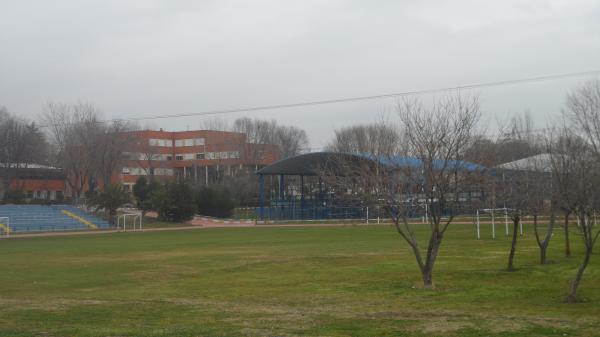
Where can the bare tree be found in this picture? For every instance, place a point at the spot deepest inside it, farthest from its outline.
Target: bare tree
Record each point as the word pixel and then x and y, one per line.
pixel 70 134
pixel 576 162
pixel 540 191
pixel 524 190
pixel 426 172
pixel 437 137
pixel 148 157
pixel 21 144
pixel 577 175
pixel 88 150
pixel 113 140
pixel 215 124
pixel 558 141
pixel 290 140
pixel 583 110
pixel 377 139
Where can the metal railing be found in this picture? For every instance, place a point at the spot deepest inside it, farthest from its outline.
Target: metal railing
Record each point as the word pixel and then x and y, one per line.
pixel 5 226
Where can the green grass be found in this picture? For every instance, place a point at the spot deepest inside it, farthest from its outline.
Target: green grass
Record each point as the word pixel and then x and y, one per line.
pixel 148 222
pixel 350 281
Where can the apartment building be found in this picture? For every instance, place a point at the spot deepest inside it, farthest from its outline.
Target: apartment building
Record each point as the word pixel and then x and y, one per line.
pixel 202 155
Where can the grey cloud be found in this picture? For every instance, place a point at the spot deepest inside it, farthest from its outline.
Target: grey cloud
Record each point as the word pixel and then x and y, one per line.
pixel 140 58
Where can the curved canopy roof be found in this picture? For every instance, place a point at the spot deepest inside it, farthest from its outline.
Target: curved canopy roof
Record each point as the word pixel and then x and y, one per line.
pixel 540 163
pixel 309 164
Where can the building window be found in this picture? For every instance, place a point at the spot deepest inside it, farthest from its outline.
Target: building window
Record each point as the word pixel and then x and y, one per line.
pixel 178 157
pixel 169 157
pixel 125 170
pixel 164 172
pixel 200 156
pixel 189 142
pixel 160 142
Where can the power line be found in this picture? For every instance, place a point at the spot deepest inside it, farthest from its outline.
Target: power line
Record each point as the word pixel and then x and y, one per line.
pixel 358 98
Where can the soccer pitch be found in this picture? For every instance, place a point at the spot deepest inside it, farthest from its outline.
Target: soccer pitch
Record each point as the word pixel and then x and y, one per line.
pixel 318 281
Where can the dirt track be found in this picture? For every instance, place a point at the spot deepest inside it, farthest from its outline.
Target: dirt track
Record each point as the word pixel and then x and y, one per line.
pixel 220 225
pixel 162 229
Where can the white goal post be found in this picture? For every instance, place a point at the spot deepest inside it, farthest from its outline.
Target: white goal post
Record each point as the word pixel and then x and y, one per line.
pixel 493 212
pixel 136 219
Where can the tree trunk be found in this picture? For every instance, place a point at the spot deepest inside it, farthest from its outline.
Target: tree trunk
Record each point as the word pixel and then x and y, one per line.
pixel 567 243
pixel 543 249
pixel 543 244
pixel 513 245
pixel 572 298
pixel 432 252
pixel 111 216
pixel 427 274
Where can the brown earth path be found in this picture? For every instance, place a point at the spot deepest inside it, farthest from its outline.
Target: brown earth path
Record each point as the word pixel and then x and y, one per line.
pixel 162 229
pixel 215 225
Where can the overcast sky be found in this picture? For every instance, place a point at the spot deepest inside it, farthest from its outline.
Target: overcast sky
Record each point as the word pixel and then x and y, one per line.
pixel 150 57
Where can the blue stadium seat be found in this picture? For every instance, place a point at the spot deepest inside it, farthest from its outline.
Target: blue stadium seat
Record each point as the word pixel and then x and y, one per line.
pixel 38 218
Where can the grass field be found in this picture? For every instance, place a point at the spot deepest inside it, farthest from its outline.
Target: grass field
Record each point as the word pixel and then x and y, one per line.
pixel 350 281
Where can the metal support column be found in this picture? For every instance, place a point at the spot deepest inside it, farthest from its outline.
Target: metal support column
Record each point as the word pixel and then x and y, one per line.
pixel 281 187
pixel 261 196
pixel 301 197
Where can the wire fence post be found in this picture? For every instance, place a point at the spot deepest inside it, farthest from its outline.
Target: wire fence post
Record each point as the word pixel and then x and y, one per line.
pixel 506 221
pixel 478 236
pixel 493 226
pixel 521 226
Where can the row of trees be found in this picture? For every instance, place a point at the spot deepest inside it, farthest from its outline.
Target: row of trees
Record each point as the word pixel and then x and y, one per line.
pixel 443 139
pixel 179 201
pixel 91 150
pixel 88 149
pixel 21 144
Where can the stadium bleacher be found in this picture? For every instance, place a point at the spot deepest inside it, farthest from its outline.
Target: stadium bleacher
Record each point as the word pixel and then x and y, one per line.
pixel 41 218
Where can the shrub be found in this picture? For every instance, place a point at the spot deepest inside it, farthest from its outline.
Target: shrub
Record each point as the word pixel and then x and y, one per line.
pixel 142 191
pixel 174 202
pixel 110 199
pixel 215 201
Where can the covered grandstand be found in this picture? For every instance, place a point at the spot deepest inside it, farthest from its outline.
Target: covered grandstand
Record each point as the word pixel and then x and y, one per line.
pixel 294 188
